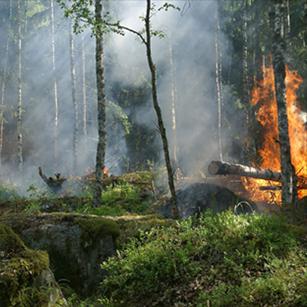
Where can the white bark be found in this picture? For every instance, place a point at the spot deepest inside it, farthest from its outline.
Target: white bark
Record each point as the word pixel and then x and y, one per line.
pixel 4 80
pixel 55 85
pixel 19 92
pixel 173 102
pixel 84 93
pixel 74 98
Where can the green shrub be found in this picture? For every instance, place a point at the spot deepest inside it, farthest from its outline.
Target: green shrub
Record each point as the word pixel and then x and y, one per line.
pixel 122 199
pixel 225 260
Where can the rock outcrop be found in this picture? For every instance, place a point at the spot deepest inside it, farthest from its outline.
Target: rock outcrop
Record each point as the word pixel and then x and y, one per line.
pixel 25 276
pixel 76 245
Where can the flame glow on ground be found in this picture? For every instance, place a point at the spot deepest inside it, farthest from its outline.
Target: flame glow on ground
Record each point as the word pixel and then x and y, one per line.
pixel 263 95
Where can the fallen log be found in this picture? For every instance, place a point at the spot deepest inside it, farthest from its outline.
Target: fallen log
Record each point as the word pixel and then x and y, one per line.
pixel 225 168
pixel 278 187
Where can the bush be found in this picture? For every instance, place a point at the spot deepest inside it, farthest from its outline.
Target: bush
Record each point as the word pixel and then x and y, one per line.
pixel 224 259
pixel 122 199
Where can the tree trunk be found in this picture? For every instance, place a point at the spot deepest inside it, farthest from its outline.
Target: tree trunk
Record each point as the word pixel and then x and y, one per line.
pixel 4 80
pixel 289 180
pixel 245 80
pixel 157 109
pixel 305 23
pixel 74 98
pixel 225 168
pixel 84 94
pixel 19 91
pixel 218 82
pixel 288 17
pixel 173 102
pixel 101 105
pixel 55 85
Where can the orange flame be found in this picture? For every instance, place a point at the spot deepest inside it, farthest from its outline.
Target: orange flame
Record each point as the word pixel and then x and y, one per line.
pixel 263 95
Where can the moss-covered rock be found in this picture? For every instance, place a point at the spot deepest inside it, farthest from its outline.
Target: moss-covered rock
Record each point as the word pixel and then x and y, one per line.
pixel 25 277
pixel 76 244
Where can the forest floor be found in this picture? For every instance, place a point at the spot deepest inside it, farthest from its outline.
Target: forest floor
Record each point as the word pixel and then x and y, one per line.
pixel 124 253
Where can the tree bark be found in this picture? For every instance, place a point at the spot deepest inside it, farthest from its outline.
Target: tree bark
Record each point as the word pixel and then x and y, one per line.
pixel 173 102
pixel 101 105
pixel 289 180
pixel 305 23
pixel 19 92
pixel 4 80
pixel 55 85
pixel 74 98
pixel 218 81
pixel 84 94
pixel 157 109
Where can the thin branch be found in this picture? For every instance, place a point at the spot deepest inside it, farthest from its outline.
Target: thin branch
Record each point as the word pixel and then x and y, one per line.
pixel 119 26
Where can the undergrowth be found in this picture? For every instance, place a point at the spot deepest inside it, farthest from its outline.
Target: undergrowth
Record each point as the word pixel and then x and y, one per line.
pixel 218 260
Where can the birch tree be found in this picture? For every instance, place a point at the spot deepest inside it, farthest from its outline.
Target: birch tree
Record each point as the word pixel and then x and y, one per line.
pixel 84 93
pixel 83 15
pixel 4 80
pixel 147 41
pixel 101 103
pixel 153 71
pixel 19 90
pixel 173 102
pixel 55 84
pixel 73 94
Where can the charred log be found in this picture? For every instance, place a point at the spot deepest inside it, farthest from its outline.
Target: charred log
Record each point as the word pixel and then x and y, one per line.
pixel 278 187
pixel 54 183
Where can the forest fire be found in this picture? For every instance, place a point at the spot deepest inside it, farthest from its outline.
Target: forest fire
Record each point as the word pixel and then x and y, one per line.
pixel 263 95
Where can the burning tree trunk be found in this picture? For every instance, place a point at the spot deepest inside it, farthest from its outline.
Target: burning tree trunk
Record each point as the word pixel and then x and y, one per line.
pixel 4 80
pixel 74 99
pixel 289 181
pixel 225 168
pixel 55 85
pixel 19 91
pixel 101 104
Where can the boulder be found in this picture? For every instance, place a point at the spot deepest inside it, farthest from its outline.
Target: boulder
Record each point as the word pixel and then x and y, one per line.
pixel 76 244
pixel 25 276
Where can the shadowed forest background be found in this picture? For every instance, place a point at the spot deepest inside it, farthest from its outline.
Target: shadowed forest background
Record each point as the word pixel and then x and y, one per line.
pixel 185 57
